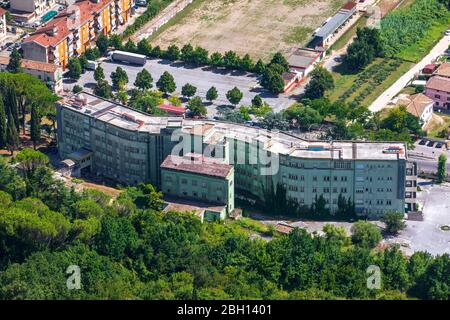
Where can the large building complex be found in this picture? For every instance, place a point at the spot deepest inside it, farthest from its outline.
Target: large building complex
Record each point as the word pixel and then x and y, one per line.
pixel 75 29
pixel 27 10
pixel 2 23
pixel 130 146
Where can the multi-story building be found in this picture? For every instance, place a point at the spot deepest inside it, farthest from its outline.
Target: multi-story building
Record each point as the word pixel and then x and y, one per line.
pixel 2 23
pixel 438 89
pixel 48 73
pixel 27 10
pixel 75 29
pixel 200 179
pixel 129 146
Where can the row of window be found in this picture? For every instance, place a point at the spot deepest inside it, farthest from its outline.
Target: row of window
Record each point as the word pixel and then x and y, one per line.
pixel 314 189
pixel 314 178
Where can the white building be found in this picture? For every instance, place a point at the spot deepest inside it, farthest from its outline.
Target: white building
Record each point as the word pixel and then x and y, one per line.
pixel 2 23
pixel 418 105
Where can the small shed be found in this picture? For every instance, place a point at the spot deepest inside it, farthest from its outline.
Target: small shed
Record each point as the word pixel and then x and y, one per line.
pixel 429 68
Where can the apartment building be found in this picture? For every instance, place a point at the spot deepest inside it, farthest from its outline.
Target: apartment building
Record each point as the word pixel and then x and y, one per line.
pixel 48 73
pixel 27 10
pixel 72 31
pixel 2 23
pixel 438 89
pixel 129 146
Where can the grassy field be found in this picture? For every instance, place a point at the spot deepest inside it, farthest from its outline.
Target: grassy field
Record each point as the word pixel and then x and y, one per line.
pixel 257 27
pixel 349 34
pixel 437 127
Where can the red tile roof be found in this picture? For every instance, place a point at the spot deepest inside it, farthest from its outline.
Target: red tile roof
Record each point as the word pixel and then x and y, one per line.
pixel 172 109
pixel 199 166
pixel 33 65
pixel 63 25
pixel 439 83
pixel 349 5
pixel 2 11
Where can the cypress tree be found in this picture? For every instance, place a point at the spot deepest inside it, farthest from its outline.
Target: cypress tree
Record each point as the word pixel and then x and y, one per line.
pixel 35 130
pixel 12 135
pixel 2 124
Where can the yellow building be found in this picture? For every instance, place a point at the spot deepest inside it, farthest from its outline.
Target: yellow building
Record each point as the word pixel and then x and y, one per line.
pixel 76 29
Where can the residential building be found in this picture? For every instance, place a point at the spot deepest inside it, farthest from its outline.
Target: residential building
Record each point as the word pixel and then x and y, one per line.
pixel 129 147
pixel 291 80
pixel 443 70
pixel 200 179
pixel 49 73
pixel 324 36
pixel 27 10
pixel 419 105
pixel 303 60
pixel 2 23
pixel 74 30
pixel 438 89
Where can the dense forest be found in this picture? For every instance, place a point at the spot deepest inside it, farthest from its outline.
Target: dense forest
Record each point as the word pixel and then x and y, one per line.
pixel 127 248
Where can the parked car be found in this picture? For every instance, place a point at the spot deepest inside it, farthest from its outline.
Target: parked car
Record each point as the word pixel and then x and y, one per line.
pixel 430 144
pixel 447 33
pixel 439 145
pixel 423 142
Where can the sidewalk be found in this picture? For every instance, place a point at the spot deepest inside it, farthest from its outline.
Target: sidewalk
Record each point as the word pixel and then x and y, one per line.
pixel 393 90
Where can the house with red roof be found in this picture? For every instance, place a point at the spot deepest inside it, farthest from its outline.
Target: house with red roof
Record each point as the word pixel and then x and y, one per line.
pixel 438 89
pixel 75 29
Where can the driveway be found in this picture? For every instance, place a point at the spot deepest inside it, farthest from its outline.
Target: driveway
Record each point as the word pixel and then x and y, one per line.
pixel 201 77
pixel 393 90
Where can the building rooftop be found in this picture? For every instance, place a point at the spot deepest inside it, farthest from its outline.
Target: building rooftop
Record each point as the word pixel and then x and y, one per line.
pixel 336 21
pixel 415 104
pixel 439 83
pixel 217 132
pixel 303 58
pixel 172 109
pixel 2 11
pixel 197 165
pixel 33 65
pixel 443 70
pixel 70 19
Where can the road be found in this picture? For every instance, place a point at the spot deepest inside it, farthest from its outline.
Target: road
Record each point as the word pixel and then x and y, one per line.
pixel 393 90
pixel 427 157
pixel 201 77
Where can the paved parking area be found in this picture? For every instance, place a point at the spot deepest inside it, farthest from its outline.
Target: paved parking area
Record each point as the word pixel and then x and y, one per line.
pixel 201 77
pixel 427 157
pixel 427 235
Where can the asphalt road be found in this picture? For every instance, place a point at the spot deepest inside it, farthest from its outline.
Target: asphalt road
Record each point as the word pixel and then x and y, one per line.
pixel 201 77
pixel 427 158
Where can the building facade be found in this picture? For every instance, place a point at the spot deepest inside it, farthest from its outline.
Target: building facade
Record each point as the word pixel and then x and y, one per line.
pixel 48 73
pixel 130 146
pixel 74 30
pixel 438 89
pixel 419 105
pixel 2 23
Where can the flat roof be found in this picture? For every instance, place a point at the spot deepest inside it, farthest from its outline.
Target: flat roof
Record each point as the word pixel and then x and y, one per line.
pixel 336 21
pixel 198 165
pixel 303 58
pixel 215 132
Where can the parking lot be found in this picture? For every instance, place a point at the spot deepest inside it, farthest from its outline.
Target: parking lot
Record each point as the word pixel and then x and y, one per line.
pixel 201 77
pixel 428 235
pixel 426 154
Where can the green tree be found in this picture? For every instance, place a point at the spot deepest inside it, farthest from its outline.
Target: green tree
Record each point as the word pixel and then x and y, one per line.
pixel 15 62
pixel 302 116
pixel 195 105
pixel 35 126
pixel 166 83
pixel 3 124
pixel 394 222
pixel 234 96
pixel 216 59
pixel 119 78
pixel 321 81
pixel 103 89
pixel 144 47
pixel 212 94
pixel 442 168
pixel 230 60
pixel 172 53
pixel 12 136
pixel 122 97
pixel 29 160
pixel 115 41
pixel 187 53
pixel 272 79
pixel 77 89
pixel 102 44
pixel 280 60
pixel 92 54
pixel 257 101
pixel 83 62
pixel 246 63
pixel 99 74
pixel 365 234
pixel 130 46
pixel 338 234
pixel 144 80
pixel 259 67
pixel 188 90
pixel 74 68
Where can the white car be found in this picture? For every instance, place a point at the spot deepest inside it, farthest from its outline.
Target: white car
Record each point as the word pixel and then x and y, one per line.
pixel 447 33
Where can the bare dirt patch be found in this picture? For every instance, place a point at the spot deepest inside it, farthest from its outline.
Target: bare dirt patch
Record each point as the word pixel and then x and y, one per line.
pixel 257 27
